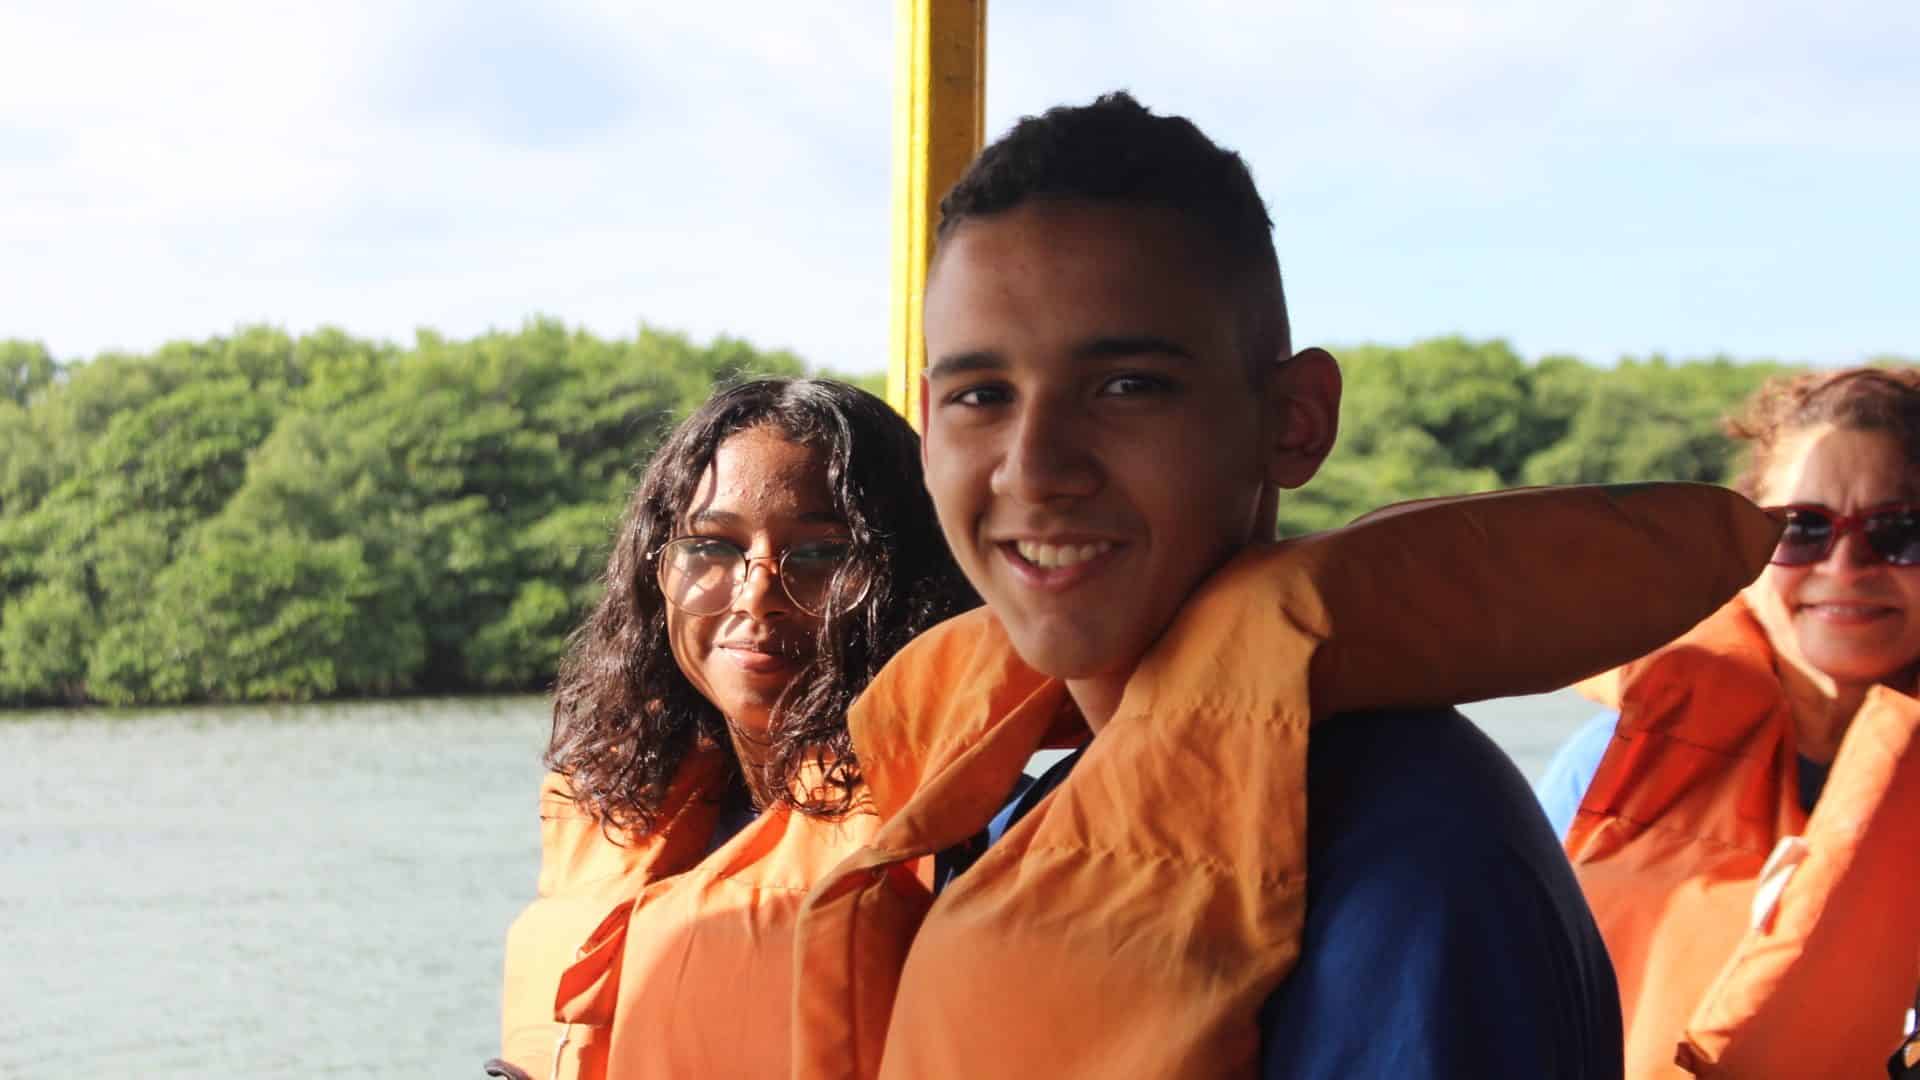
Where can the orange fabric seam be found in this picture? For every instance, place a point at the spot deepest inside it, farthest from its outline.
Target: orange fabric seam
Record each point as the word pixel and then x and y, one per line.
pixel 1211 866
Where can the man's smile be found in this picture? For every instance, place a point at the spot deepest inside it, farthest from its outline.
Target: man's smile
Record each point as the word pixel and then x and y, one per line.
pixel 1056 566
pixel 1051 556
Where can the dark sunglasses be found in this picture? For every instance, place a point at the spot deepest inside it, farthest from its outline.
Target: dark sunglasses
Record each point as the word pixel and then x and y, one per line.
pixel 1892 532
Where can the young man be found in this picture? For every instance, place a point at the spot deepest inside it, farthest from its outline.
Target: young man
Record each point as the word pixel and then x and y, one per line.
pixel 1112 406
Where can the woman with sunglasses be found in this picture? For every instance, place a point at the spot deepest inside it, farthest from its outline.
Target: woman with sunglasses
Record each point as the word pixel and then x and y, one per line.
pixel 1747 826
pixel 778 550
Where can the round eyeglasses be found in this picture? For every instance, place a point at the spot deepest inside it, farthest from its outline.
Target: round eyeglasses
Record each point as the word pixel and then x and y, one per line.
pixel 700 574
pixel 1892 532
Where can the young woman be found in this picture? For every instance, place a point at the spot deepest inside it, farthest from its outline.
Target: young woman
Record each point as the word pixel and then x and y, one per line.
pixel 779 549
pixel 1747 826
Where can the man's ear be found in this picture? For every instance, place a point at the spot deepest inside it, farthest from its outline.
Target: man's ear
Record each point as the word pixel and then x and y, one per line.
pixel 1302 400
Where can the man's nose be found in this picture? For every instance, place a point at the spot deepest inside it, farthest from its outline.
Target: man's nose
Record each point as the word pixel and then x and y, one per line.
pixel 1047 456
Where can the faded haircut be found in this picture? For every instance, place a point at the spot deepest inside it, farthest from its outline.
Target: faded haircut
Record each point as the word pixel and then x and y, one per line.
pixel 1117 150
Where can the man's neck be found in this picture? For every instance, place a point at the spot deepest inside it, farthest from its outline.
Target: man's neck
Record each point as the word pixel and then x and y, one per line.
pixel 1098 698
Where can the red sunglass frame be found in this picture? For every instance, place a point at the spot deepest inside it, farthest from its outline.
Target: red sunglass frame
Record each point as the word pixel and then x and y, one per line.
pixel 1841 524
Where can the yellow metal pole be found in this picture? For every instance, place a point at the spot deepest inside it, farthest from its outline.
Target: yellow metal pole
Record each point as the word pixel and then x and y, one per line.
pixel 939 116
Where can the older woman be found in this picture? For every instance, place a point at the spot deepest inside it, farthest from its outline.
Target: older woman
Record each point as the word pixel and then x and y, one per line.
pixel 1747 827
pixel 779 549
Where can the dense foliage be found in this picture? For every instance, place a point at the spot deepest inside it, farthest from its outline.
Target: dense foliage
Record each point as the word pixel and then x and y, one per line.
pixel 1449 416
pixel 262 517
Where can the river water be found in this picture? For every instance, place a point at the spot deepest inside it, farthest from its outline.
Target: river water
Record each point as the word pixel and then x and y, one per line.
pixel 298 891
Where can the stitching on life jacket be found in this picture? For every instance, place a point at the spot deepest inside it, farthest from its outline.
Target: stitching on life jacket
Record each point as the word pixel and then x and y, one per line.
pixel 715 877
pixel 850 965
pixel 1210 865
pixel 1669 830
pixel 1645 731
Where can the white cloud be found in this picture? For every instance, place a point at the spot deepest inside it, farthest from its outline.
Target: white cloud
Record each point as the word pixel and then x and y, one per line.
pixel 385 167
pixel 723 167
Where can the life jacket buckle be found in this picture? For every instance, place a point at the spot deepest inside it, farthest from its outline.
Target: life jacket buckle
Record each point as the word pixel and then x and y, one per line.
pixel 1787 856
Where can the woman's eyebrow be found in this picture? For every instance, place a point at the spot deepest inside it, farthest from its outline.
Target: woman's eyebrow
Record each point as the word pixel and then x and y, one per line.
pixel 713 518
pixel 727 519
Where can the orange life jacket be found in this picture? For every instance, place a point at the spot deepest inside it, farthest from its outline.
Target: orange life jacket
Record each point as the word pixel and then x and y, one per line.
pixel 1124 927
pixel 1734 960
pixel 657 959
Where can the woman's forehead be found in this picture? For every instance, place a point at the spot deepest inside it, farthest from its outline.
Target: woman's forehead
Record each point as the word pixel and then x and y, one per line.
pixel 762 473
pixel 1844 468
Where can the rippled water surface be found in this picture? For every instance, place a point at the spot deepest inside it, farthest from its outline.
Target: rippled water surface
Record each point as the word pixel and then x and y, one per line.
pixel 295 892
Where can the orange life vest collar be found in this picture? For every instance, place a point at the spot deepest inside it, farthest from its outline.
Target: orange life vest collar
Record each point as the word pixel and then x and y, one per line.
pixel 1184 965
pixel 990 709
pixel 1705 704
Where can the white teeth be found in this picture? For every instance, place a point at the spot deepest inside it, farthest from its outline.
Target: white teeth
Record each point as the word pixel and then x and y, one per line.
pixel 1054 556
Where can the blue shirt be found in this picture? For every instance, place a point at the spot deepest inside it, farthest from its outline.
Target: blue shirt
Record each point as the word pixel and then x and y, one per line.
pixel 1445 935
pixel 1565 782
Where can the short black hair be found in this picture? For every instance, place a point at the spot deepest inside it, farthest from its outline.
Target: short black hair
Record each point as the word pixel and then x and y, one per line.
pixel 1117 150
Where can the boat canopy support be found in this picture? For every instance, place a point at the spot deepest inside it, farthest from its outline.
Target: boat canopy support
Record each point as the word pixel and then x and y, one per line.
pixel 939 115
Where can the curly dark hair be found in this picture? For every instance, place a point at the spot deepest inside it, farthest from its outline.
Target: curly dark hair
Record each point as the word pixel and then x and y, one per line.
pixel 1116 150
pixel 1885 399
pixel 625 716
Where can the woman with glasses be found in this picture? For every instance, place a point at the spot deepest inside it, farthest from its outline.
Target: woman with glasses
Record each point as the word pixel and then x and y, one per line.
pixel 1747 826
pixel 778 550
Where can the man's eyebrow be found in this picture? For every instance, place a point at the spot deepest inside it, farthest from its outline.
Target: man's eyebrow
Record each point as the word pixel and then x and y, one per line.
pixel 1130 345
pixel 1119 345
pixel 961 363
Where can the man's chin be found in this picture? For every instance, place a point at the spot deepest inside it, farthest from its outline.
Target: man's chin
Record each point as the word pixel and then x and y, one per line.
pixel 1066 657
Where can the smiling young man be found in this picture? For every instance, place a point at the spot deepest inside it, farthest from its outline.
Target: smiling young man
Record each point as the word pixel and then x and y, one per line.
pixel 1107 419
pixel 1112 407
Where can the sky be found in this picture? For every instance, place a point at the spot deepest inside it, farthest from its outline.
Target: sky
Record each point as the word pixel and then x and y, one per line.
pixel 1597 178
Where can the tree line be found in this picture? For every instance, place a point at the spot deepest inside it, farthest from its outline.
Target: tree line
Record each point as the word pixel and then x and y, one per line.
pixel 1449 416
pixel 263 517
